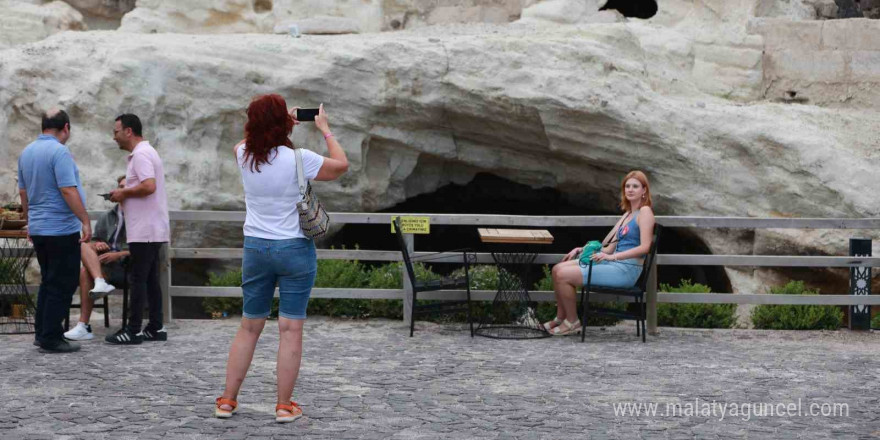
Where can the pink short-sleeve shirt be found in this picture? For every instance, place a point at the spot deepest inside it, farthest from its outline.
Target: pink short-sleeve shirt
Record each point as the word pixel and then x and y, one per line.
pixel 146 218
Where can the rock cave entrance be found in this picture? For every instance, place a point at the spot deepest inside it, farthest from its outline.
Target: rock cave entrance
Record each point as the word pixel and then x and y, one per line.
pixel 261 6
pixel 490 194
pixel 633 8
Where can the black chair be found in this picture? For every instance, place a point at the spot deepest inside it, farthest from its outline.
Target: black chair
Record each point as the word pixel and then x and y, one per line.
pixel 442 307
pixel 106 303
pixel 637 292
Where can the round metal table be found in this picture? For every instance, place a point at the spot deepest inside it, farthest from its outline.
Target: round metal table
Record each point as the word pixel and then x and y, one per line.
pixel 513 314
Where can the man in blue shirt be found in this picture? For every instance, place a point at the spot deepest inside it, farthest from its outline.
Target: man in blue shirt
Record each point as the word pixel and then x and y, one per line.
pixel 53 201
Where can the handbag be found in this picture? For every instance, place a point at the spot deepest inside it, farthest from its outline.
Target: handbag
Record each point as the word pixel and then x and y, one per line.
pixel 594 246
pixel 313 219
pixel 587 253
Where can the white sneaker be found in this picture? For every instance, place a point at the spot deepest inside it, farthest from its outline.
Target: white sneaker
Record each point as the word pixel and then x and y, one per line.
pixel 82 332
pixel 101 289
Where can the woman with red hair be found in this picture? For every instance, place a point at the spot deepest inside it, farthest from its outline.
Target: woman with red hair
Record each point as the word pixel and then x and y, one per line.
pixel 276 252
pixel 617 264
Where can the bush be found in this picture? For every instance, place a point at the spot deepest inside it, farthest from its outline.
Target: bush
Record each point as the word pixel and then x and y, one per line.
pixel 219 307
pixel 790 317
pixel 547 310
pixel 875 323
pixel 694 315
pixel 482 276
pixel 6 272
pixel 343 274
pixel 388 276
pixel 331 273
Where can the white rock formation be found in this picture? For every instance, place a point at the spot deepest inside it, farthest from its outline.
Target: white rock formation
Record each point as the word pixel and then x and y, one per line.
pixel 699 96
pixel 556 12
pixel 25 22
pixel 197 16
pixel 103 8
pixel 568 108
pixel 320 25
pixel 264 16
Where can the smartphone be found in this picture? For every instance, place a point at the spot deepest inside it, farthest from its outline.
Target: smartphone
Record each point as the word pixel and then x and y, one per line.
pixel 105 196
pixel 306 114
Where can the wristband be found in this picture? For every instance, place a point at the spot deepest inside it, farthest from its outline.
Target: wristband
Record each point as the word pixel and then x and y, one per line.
pixel 328 135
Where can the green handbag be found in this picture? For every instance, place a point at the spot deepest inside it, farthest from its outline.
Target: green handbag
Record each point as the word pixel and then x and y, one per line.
pixel 589 249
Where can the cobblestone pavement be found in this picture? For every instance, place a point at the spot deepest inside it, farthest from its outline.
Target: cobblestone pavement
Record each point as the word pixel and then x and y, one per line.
pixel 367 379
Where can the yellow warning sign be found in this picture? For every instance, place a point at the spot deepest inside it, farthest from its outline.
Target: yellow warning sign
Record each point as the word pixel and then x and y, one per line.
pixel 413 225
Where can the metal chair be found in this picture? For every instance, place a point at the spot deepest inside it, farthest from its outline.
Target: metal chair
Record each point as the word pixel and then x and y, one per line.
pixel 637 292
pixel 443 307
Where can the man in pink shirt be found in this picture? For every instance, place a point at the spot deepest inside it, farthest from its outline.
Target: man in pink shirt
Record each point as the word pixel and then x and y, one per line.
pixel 146 223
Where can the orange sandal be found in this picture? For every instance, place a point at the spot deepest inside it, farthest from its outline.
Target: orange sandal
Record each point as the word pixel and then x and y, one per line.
pixel 293 409
pixel 221 413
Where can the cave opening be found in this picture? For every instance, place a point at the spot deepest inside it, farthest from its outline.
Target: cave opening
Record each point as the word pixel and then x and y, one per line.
pixel 633 8
pixel 261 6
pixel 490 194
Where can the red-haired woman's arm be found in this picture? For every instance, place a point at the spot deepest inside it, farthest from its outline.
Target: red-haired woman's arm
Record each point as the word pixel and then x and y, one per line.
pixel 337 164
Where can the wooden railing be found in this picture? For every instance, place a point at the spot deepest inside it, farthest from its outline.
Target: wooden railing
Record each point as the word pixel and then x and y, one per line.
pixel 653 297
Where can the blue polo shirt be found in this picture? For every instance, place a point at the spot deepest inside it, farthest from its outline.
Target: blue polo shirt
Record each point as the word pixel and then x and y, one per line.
pixel 45 166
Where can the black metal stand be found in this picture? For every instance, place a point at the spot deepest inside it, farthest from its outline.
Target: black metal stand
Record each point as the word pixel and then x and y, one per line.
pixel 512 314
pixel 17 307
pixel 860 284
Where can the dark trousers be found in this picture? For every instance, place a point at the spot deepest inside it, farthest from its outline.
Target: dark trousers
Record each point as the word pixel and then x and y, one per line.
pixel 59 271
pixel 145 285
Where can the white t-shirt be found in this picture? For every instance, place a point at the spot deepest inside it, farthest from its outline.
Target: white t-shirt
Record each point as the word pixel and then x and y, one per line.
pixel 272 193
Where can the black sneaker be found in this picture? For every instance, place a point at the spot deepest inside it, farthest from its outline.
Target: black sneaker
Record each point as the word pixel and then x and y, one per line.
pixel 61 347
pixel 124 337
pixel 149 334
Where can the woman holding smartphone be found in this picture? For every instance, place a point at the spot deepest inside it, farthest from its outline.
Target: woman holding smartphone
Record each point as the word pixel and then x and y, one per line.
pixel 275 249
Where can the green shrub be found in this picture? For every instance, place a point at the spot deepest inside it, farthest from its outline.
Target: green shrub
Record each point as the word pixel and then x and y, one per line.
pixel 482 276
pixel 343 274
pixel 217 307
pixel 547 310
pixel 546 282
pixel 389 276
pixel 694 315
pixel 875 323
pixel 790 317
pixel 351 274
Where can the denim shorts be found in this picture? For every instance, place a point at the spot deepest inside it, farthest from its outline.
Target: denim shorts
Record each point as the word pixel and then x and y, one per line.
pixel 290 264
pixel 623 273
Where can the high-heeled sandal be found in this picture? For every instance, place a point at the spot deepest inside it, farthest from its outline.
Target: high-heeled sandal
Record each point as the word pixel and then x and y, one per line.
pixel 571 328
pixel 555 320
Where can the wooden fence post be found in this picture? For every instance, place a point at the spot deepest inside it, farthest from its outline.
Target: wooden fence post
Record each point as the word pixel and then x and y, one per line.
pixel 165 280
pixel 409 239
pixel 651 299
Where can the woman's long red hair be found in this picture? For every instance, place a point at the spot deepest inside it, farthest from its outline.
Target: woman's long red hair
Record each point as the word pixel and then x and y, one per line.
pixel 268 126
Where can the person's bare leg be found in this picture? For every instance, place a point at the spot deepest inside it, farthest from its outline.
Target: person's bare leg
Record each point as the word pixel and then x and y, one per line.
pixel 560 290
pixel 240 356
pixel 86 283
pixel 90 260
pixel 565 284
pixel 289 358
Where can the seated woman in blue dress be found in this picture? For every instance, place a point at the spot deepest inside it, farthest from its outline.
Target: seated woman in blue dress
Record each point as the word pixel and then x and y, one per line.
pixel 618 264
